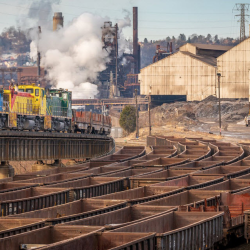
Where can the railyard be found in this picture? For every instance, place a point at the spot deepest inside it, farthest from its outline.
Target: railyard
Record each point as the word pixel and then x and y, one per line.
pixel 173 193
pixel 74 175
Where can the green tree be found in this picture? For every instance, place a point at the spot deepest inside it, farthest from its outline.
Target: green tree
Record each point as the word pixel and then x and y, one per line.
pixel 209 37
pixel 128 119
pixel 182 37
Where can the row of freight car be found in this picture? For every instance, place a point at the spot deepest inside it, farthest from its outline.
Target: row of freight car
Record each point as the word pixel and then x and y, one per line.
pixel 183 195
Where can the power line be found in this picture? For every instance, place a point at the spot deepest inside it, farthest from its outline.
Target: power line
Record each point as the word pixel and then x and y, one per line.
pixel 243 8
pixel 215 27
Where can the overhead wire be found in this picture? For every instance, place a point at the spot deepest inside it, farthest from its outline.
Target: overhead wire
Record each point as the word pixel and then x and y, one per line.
pixel 141 20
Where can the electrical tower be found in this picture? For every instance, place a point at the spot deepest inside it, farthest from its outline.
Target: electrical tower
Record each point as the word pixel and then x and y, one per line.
pixel 243 8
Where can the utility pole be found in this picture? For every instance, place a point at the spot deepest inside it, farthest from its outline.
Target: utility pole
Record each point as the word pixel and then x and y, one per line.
pixel 243 8
pixel 116 60
pixel 111 86
pixel 149 115
pixel 219 76
pixel 137 115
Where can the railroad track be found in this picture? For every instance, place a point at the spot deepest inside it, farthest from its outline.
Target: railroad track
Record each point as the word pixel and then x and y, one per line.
pixel 187 193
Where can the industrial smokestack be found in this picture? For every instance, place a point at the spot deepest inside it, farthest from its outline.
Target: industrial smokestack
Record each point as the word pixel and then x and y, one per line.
pixel 135 40
pixel 57 20
pixel 39 57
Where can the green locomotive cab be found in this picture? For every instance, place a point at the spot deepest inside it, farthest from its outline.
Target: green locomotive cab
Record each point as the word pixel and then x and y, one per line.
pixel 60 102
pixel 59 107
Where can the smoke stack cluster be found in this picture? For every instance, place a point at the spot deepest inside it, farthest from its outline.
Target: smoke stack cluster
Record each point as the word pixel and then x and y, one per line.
pixel 136 46
pixel 57 20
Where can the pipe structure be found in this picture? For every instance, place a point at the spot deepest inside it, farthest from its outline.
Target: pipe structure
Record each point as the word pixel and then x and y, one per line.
pixel 57 20
pixel 135 40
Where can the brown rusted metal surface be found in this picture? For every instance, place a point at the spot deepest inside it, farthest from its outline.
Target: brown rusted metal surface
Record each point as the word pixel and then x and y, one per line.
pixel 125 154
pixel 152 178
pixel 232 185
pixel 75 210
pixel 134 172
pixel 181 229
pixel 190 198
pixel 191 182
pixel 226 171
pixel 31 199
pixel 199 165
pixel 11 186
pixel 162 162
pixel 47 236
pixel 14 226
pixel 92 186
pixel 123 217
pixel 57 178
pixel 143 194
pixel 205 200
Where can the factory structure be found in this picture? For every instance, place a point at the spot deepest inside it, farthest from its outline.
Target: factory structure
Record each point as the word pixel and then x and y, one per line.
pixel 119 79
pixel 191 74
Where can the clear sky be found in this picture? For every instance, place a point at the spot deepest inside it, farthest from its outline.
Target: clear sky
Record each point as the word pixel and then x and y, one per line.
pixel 157 18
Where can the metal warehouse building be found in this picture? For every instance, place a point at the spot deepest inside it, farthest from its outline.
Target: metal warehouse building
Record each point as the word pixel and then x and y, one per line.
pixel 191 73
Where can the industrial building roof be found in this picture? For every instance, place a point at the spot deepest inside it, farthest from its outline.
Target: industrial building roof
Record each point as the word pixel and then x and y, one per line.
pixel 206 59
pixel 212 46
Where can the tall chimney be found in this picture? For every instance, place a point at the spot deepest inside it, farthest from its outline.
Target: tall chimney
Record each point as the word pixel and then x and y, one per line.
pixel 135 40
pixel 57 20
pixel 39 57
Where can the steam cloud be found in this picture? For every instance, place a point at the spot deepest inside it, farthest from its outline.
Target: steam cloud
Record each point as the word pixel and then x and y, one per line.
pixel 73 55
pixel 40 13
pixel 123 23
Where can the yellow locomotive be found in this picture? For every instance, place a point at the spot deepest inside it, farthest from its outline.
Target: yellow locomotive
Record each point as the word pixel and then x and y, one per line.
pixel 26 109
pixel 35 109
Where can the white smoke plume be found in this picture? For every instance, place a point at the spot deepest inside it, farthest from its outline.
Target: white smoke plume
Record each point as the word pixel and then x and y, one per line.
pixel 40 13
pixel 73 56
pixel 122 24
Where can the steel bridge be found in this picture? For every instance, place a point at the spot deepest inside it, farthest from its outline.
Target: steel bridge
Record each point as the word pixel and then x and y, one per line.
pixel 33 146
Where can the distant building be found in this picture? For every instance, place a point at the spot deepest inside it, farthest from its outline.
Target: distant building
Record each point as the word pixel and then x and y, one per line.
pixel 191 73
pixel 30 73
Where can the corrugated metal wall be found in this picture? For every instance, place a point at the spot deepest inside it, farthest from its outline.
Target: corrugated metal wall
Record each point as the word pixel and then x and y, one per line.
pixel 188 48
pixel 179 74
pixel 234 67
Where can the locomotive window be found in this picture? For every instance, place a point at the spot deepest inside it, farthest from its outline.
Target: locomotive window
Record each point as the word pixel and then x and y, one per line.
pixel 29 90
pixel 64 95
pixel 42 93
pixel 21 90
pixel 37 92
